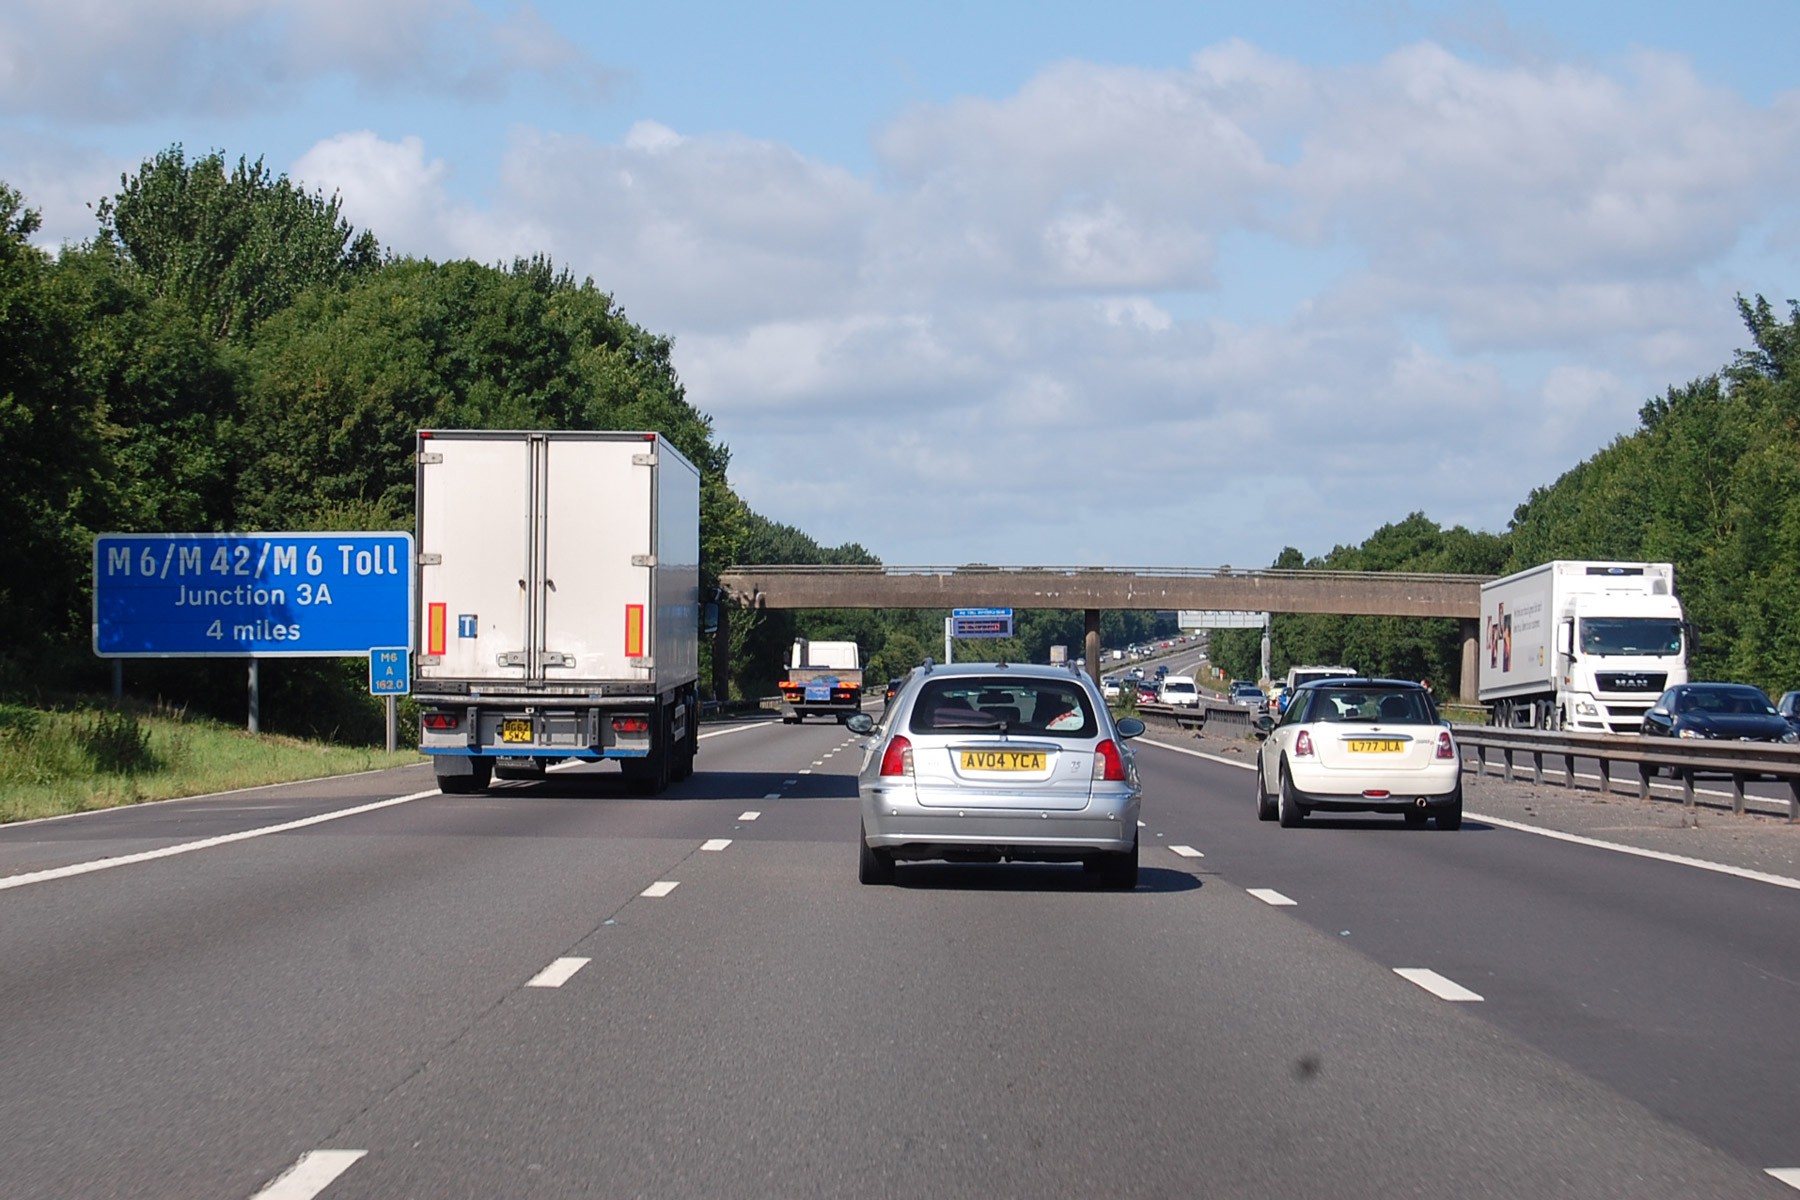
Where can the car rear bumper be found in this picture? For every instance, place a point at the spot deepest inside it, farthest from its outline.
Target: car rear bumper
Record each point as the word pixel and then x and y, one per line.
pixel 1029 835
pixel 1395 801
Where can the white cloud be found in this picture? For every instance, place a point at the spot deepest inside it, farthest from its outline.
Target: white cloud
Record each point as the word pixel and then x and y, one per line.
pixel 108 61
pixel 980 337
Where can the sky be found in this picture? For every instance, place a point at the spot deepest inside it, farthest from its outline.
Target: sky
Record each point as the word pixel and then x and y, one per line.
pixel 1134 283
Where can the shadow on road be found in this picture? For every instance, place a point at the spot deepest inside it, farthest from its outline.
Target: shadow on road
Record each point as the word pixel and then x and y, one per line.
pixel 746 786
pixel 1029 877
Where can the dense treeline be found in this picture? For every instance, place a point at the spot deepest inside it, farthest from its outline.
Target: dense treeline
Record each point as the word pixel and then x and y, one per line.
pixel 1710 481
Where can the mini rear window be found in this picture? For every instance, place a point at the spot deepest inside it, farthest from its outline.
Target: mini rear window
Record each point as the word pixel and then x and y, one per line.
pixel 1040 707
pixel 1395 706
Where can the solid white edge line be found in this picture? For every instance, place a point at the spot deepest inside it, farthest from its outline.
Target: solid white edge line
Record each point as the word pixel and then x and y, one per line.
pixel 715 843
pixel 735 729
pixel 1187 852
pixel 749 815
pixel 557 973
pixel 1640 852
pixel 1437 985
pixel 660 888
pixel 1230 762
pixel 125 860
pixel 311 1174
pixel 1787 1175
pixel 1271 896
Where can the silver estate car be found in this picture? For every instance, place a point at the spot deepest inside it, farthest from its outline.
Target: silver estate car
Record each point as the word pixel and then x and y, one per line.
pixel 991 762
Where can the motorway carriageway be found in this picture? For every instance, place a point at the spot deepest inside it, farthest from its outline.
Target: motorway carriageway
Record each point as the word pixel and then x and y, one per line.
pixel 360 988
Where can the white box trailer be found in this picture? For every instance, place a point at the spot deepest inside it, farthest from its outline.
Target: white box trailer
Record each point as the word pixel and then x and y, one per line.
pixel 558 590
pixel 1581 645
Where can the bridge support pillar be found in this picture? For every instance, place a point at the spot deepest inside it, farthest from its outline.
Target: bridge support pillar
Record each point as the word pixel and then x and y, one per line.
pixel 1468 690
pixel 1091 644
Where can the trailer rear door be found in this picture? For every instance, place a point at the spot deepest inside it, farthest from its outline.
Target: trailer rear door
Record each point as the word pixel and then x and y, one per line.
pixel 474 545
pixel 598 559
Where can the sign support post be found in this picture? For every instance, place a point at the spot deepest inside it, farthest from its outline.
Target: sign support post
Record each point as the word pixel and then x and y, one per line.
pixel 255 696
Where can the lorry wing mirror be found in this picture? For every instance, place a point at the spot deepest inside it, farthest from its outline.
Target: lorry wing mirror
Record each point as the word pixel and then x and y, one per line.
pixel 1565 638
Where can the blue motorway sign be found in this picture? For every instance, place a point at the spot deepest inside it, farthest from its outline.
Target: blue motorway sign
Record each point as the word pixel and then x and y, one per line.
pixel 263 595
pixel 388 671
pixel 981 622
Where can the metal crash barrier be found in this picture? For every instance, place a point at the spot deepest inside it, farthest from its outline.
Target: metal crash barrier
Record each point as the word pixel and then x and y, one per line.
pixel 1220 720
pixel 1684 759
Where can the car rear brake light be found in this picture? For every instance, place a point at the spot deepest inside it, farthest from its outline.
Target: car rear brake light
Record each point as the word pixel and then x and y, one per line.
pixel 897 759
pixel 1303 745
pixel 1376 793
pixel 1446 749
pixel 631 725
pixel 1109 764
pixel 440 720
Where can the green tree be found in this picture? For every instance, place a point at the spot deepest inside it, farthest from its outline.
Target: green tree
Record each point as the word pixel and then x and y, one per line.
pixel 52 449
pixel 232 246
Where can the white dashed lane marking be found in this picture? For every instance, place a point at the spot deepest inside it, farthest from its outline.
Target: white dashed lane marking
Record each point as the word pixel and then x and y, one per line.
pixel 557 973
pixel 1187 852
pixel 751 815
pixel 1787 1175
pixel 806 770
pixel 311 1174
pixel 773 796
pixel 715 843
pixel 1270 896
pixel 1437 985
pixel 660 888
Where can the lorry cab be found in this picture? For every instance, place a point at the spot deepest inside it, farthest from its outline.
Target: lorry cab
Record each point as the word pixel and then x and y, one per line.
pixel 1617 655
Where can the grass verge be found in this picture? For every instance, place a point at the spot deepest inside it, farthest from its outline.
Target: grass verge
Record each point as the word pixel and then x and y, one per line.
pixel 66 761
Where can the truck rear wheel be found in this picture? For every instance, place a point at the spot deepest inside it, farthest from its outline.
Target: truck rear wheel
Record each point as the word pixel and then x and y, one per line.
pixel 476 780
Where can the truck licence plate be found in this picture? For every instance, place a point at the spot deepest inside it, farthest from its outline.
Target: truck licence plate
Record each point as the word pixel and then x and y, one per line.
pixel 515 731
pixel 818 691
pixel 1002 760
pixel 1375 746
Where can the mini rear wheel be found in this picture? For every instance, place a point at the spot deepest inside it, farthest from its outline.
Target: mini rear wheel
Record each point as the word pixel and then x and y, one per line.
pixel 1265 803
pixel 1287 804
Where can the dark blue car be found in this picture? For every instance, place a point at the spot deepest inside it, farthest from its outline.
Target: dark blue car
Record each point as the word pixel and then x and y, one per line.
pixel 1726 711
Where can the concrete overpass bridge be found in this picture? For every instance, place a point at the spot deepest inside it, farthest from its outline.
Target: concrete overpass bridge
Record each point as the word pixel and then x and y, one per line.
pixel 1096 589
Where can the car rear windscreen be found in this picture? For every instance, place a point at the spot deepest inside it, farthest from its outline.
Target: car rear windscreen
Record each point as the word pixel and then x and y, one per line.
pixel 1394 706
pixel 1049 707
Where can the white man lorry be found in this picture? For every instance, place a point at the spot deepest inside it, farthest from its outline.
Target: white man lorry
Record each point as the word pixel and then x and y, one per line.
pixel 558 591
pixel 1581 645
pixel 823 679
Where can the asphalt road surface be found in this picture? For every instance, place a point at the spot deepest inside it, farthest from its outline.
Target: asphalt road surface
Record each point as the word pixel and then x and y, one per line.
pixel 560 990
